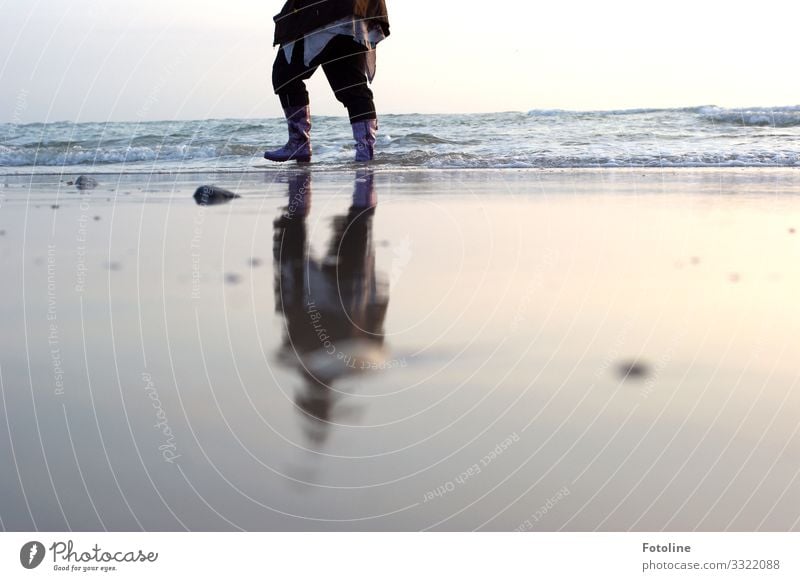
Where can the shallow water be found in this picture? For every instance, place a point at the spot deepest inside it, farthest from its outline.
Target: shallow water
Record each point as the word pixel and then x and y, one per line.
pixel 390 350
pixel 687 137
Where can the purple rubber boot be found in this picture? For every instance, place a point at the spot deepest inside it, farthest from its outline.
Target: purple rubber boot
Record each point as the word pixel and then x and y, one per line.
pixel 298 148
pixel 364 132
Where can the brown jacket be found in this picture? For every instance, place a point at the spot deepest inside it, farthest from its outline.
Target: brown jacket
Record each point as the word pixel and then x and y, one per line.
pixel 299 17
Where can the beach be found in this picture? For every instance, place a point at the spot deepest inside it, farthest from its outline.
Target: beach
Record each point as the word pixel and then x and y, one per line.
pixel 366 350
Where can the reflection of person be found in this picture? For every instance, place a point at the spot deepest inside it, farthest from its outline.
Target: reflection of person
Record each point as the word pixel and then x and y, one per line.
pixel 340 36
pixel 334 308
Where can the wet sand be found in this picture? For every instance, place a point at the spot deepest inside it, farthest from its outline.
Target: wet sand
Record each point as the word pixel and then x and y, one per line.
pixel 492 350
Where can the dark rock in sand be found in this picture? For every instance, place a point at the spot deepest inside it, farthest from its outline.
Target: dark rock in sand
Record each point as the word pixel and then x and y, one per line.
pixel 633 370
pixel 55 206
pixel 86 183
pixel 212 195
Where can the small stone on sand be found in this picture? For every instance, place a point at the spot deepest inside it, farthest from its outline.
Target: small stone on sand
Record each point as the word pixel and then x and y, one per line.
pixel 86 183
pixel 633 370
pixel 212 195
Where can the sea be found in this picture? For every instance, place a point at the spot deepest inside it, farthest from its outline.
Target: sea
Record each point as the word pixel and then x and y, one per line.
pixel 706 136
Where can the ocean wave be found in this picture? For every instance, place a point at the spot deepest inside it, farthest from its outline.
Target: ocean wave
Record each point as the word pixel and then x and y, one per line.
pixel 757 117
pixel 418 139
pixel 785 116
pixel 212 158
pixel 78 155
pixel 706 136
pixel 609 112
pixel 434 160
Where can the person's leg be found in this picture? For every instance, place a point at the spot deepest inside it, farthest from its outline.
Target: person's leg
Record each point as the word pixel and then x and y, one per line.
pixel 344 63
pixel 288 78
pixel 288 81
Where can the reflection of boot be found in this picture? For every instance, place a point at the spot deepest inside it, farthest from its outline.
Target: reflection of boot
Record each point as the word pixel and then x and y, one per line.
pixel 364 132
pixel 298 148
pixel 364 190
pixel 299 203
pixel 299 195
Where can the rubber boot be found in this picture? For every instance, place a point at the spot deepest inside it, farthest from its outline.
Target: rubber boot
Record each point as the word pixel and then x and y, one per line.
pixel 298 148
pixel 364 132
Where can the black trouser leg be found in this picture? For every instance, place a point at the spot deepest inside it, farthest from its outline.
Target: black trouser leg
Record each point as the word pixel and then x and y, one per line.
pixel 344 66
pixel 288 78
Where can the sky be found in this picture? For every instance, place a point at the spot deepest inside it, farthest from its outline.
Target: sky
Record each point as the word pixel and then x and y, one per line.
pixel 125 60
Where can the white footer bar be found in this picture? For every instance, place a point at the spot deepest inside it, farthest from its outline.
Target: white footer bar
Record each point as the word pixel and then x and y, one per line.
pixel 401 556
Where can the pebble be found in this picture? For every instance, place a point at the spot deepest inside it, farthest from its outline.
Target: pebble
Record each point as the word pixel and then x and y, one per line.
pixel 86 183
pixel 633 370
pixel 212 195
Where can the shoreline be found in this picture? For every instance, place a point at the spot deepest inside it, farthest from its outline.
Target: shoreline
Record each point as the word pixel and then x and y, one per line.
pixel 786 177
pixel 278 168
